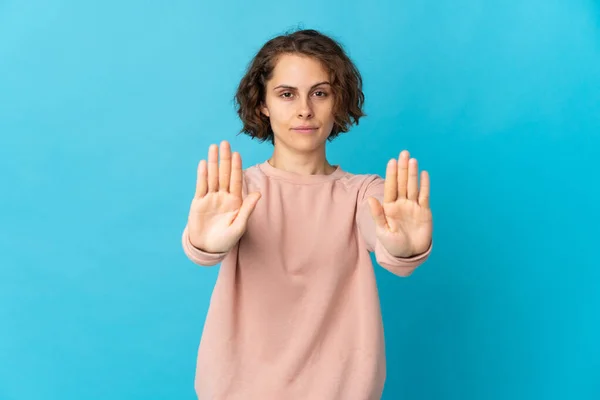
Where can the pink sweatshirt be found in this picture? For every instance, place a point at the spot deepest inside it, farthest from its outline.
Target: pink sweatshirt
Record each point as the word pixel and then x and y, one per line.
pixel 295 311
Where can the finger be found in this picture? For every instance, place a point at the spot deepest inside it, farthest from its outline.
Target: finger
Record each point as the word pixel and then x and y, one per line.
pixel 377 212
pixel 213 168
pixel 402 173
pixel 412 186
pixel 424 192
pixel 236 175
pixel 390 188
pixel 224 166
pixel 201 179
pixel 248 206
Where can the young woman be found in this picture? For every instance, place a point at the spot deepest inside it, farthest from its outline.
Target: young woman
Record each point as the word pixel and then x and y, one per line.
pixel 295 312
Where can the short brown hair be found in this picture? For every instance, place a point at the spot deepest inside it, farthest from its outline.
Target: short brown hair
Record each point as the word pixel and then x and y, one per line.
pixel 346 81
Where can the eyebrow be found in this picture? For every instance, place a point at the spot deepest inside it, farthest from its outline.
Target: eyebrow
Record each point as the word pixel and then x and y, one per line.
pixel 295 88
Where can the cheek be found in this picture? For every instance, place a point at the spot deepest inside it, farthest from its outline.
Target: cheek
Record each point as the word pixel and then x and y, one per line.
pixel 327 114
pixel 326 107
pixel 278 120
pixel 280 113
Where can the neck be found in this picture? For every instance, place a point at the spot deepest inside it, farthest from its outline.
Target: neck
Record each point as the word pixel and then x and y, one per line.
pixel 302 164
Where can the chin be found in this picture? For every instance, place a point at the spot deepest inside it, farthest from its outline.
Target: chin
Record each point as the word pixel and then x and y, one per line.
pixel 302 144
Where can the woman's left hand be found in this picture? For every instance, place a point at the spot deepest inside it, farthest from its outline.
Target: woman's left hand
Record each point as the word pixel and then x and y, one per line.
pixel 404 222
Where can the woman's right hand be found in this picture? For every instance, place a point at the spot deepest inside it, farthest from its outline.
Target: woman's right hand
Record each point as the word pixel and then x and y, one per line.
pixel 218 214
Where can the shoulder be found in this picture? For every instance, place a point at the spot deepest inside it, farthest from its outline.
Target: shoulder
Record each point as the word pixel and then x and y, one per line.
pixel 250 178
pixel 252 171
pixel 363 183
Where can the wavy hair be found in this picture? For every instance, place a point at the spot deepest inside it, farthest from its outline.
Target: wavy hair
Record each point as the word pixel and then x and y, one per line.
pixel 346 82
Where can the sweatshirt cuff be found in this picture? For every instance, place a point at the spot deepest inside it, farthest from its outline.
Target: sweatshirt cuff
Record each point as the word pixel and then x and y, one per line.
pixel 198 256
pixel 399 265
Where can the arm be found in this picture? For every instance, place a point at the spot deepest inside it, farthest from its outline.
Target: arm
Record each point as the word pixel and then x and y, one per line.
pixel 401 266
pixel 220 208
pixel 197 255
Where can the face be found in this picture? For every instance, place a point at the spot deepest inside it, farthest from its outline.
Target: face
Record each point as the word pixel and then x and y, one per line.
pixel 298 96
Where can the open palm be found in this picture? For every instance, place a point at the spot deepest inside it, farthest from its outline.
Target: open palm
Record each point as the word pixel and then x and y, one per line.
pixel 404 221
pixel 218 213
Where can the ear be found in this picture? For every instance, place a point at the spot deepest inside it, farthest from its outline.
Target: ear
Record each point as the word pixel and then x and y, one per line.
pixel 264 110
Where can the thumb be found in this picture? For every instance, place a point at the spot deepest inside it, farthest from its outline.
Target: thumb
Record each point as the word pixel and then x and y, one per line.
pixel 377 212
pixel 248 205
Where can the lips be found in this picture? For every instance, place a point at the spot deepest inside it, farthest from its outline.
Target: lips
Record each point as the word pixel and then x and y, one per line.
pixel 305 129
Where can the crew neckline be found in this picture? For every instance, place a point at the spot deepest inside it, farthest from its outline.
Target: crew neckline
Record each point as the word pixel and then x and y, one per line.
pixel 294 177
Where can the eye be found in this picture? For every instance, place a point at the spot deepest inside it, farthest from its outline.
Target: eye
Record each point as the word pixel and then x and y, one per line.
pixel 288 95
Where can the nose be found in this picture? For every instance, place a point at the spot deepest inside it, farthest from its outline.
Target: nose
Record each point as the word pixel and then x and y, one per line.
pixel 305 108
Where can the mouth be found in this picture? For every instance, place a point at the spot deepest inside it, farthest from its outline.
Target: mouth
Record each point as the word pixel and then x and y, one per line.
pixel 305 129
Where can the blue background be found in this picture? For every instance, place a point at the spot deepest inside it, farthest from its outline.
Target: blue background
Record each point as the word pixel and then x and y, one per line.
pixel 106 108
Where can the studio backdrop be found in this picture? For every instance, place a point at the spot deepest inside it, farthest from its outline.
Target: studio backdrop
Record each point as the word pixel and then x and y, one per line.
pixel 106 107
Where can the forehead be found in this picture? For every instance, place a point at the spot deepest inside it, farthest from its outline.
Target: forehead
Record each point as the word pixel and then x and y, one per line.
pixel 298 70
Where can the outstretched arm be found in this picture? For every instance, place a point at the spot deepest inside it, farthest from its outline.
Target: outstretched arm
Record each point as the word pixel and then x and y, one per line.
pixel 220 208
pixel 395 218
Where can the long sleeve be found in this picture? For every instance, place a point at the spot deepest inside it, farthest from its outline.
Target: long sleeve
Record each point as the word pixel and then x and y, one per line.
pixel 198 256
pixel 401 266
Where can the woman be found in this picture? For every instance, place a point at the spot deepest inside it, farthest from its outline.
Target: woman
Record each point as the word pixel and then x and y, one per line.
pixel 295 312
